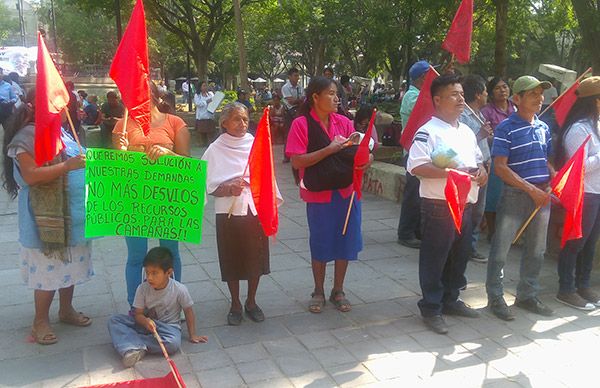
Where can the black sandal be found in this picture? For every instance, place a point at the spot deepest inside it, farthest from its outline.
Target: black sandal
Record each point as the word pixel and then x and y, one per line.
pixel 338 298
pixel 255 313
pixel 316 303
pixel 234 318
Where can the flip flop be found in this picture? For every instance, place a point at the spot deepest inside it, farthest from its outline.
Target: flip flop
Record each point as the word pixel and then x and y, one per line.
pixel 316 303
pixel 44 337
pixel 78 319
pixel 338 299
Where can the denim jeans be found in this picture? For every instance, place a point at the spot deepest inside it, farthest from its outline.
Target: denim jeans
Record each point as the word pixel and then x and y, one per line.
pixel 410 212
pixel 137 247
pixel 443 256
pixel 127 335
pixel 577 257
pixel 514 208
pixel 478 210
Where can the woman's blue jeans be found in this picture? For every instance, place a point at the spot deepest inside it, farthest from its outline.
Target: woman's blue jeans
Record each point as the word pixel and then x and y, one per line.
pixel 137 247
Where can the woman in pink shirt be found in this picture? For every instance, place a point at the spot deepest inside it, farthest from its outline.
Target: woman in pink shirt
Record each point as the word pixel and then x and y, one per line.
pixel 316 138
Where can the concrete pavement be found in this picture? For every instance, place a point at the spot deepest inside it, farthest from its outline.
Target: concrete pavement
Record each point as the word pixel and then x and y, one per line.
pixel 381 342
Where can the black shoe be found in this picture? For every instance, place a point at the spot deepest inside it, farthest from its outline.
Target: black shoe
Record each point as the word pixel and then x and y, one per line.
pixel 478 257
pixel 500 309
pixel 436 324
pixel 535 306
pixel 255 314
pixel 234 318
pixel 410 243
pixel 459 308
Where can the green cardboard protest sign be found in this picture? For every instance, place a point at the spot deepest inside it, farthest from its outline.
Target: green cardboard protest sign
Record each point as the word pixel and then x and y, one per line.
pixel 127 194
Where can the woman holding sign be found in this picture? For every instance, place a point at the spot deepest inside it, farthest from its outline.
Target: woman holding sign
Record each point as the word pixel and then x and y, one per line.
pixel 243 246
pixel 168 136
pixel 318 147
pixel 54 252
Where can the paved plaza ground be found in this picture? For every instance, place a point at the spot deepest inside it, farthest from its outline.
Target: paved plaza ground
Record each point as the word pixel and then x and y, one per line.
pixel 381 342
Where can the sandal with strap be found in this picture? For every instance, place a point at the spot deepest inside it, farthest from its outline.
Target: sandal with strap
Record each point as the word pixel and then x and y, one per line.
pixel 76 319
pixel 338 299
pixel 316 303
pixel 44 337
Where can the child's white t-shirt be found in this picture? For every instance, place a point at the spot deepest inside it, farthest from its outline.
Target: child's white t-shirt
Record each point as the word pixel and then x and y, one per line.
pixel 164 305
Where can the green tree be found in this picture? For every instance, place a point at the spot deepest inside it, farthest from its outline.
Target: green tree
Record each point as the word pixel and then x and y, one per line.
pixel 8 25
pixel 588 15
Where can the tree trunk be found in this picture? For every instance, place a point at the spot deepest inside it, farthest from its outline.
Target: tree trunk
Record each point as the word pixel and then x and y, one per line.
pixel 201 62
pixel 239 29
pixel 501 37
pixel 588 15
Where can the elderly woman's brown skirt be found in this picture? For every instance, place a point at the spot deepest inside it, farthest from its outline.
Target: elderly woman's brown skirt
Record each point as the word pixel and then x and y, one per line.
pixel 243 247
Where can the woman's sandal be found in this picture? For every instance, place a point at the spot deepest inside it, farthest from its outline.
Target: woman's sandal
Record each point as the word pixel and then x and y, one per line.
pixel 77 319
pixel 316 303
pixel 338 299
pixel 45 337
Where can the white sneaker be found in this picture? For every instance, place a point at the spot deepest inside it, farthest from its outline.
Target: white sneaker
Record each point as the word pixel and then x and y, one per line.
pixel 131 357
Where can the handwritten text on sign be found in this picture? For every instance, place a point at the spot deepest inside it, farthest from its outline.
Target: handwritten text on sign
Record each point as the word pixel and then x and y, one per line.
pixel 129 195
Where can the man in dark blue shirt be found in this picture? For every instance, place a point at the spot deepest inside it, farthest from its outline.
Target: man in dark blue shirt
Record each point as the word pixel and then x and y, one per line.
pixel 522 144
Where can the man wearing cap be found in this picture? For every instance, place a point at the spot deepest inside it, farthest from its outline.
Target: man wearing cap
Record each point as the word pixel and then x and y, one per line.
pixel 410 216
pixel 521 147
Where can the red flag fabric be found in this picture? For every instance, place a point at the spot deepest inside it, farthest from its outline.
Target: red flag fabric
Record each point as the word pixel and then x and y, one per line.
pixel 563 104
pixel 567 185
pixel 168 381
pixel 362 157
pixel 130 68
pixel 422 111
pixel 458 185
pixel 458 39
pixel 262 177
pixel 51 97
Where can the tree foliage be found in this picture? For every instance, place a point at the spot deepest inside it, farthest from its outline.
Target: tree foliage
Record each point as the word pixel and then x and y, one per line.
pixel 364 38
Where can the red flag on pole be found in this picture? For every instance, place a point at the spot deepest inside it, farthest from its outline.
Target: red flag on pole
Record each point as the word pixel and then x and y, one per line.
pixel 262 177
pixel 130 68
pixel 362 157
pixel 422 111
pixel 563 104
pixel 458 185
pixel 51 97
pixel 458 39
pixel 567 185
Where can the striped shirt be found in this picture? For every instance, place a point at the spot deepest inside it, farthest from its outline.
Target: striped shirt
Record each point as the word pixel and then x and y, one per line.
pixel 526 145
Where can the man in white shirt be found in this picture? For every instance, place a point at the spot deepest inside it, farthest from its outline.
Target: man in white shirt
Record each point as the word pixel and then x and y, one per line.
pixel 293 97
pixel 185 89
pixel 444 252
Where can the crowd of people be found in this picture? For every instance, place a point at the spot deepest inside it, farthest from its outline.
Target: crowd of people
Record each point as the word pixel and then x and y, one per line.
pixel 496 139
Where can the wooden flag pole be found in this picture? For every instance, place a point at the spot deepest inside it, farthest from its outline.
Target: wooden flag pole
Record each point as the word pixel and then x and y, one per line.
pixel 166 354
pixel 563 93
pixel 348 213
pixel 73 130
pixel 526 224
pixel 235 198
pixel 124 130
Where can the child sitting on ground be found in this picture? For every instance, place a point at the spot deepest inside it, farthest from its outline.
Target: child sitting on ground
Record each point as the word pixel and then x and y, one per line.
pixel 158 303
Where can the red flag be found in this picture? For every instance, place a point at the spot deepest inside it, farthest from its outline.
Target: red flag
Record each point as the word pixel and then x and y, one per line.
pixel 362 157
pixel 458 185
pixel 568 187
pixel 171 380
pixel 422 111
pixel 458 39
pixel 129 68
pixel 262 177
pixel 51 97
pixel 563 103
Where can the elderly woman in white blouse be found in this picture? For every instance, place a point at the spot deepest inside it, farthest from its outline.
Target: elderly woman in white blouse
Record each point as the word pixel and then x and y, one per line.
pixel 242 245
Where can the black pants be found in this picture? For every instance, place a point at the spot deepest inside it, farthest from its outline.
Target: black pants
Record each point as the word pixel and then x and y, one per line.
pixel 410 213
pixel 443 256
